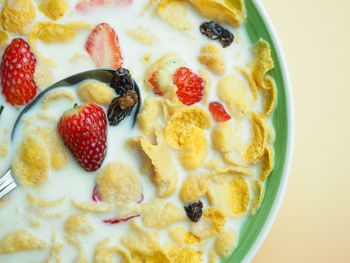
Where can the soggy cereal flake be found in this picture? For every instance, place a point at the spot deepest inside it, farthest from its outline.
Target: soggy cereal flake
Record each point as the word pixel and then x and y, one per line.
pixel 250 80
pixel 207 84
pixel 78 224
pixel 55 251
pixel 213 58
pixel 160 218
pixel 257 192
pixel 213 258
pixel 264 62
pixel 4 147
pixel 193 149
pixel 256 148
pixel 146 165
pixel 225 242
pixel 55 145
pixel 236 95
pixel 170 106
pixel 211 223
pixel 104 254
pixel 43 77
pixel 222 137
pixel 270 97
pixel 55 95
pixel 46 117
pixel 230 170
pixel 20 241
pixel 118 184
pixel 4 39
pixel 267 164
pixel 235 158
pixel 53 9
pixel 181 237
pixel 74 240
pixel 165 174
pixel 16 16
pixel 213 164
pixel 222 11
pixel 174 12
pixel 31 164
pixel 187 116
pixel 149 115
pixel 184 255
pixel 229 194
pixel 92 207
pixel 43 203
pixel 98 92
pixel 143 35
pixel 194 187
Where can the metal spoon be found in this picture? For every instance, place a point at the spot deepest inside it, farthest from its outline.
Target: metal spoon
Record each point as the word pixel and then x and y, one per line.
pixel 7 182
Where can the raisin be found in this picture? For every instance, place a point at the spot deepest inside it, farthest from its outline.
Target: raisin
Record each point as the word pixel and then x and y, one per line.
pixel 121 107
pixel 122 81
pixel 215 31
pixel 194 211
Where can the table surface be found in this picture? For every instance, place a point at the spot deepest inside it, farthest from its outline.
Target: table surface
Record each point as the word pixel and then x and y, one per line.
pixel 313 224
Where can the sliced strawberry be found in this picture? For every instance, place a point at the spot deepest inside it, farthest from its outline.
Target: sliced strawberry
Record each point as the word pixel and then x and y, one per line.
pixel 17 73
pixel 103 47
pixel 154 82
pixel 85 5
pixel 218 112
pixel 189 86
pixel 84 132
pixel 96 195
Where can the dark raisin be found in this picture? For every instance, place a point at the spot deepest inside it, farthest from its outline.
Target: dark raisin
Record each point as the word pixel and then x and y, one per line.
pixel 215 31
pixel 121 107
pixel 122 81
pixel 194 211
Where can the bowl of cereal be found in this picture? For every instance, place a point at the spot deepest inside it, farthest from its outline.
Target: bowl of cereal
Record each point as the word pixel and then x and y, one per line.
pixel 201 174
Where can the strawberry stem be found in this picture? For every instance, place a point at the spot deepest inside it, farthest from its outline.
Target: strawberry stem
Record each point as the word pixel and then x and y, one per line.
pixel 76 106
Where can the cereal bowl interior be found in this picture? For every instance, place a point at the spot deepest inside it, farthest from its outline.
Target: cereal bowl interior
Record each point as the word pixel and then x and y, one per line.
pixel 201 175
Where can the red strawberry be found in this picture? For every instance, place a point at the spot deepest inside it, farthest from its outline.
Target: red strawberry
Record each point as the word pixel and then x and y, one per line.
pixel 103 47
pixel 17 70
pixel 189 86
pixel 154 82
pixel 218 112
pixel 84 5
pixel 84 131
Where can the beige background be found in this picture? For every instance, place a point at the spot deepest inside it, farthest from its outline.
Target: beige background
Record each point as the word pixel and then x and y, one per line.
pixel 313 224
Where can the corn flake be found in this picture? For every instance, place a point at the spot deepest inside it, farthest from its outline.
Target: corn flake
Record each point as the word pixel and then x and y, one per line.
pixel 98 92
pixel 93 207
pixel 118 184
pixel 4 147
pixel 188 116
pixel 77 224
pixel 55 95
pixel 230 170
pixel 4 39
pixel 104 254
pixel 174 12
pixel 267 163
pixel 53 9
pixel 181 237
pixel 225 242
pixel 143 35
pixel 184 255
pixel 250 80
pixel 213 58
pixel 207 85
pixel 213 258
pixel 194 187
pixel 42 203
pixel 258 192
pixel 43 77
pixel 211 223
pixel 213 164
pixel 264 62
pixel 222 137
pixel 20 241
pixel 149 115
pixel 256 148
pixel 270 97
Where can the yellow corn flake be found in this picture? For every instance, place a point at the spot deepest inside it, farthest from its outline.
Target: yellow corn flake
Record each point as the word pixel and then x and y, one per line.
pixel 233 171
pixel 256 148
pixel 193 148
pixel 267 164
pixel 213 58
pixel 270 133
pixel 181 237
pixel 95 208
pixel 187 116
pixel 4 147
pixel 229 194
pixel 20 241
pixel 105 254
pixel 207 84
pixel 160 218
pixel 42 203
pixel 46 117
pixel 16 16
pixel 118 184
pixel 222 137
pixel 235 158
pixel 174 12
pixel 264 62
pixel 165 174
pixel 55 95
pixel 31 164
pixel 236 95
pixel 77 224
pixel 213 164
pixel 170 104
pixel 225 242
pixel 55 251
pixel 211 223
pixel 146 165
pixel 74 240
pixel 77 56
pixel 213 258
pixel 4 39
pixel 58 155
pixel 143 34
pixel 184 255
pixel 53 9
pixel 257 192
pixel 149 115
pixel 98 92
pixel 250 80
pixel 194 187
pixel 270 97
pixel 222 11
pixel 49 33
pixel 43 77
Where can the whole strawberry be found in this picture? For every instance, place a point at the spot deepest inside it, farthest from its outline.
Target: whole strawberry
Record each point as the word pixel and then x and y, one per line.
pixel 17 73
pixel 84 131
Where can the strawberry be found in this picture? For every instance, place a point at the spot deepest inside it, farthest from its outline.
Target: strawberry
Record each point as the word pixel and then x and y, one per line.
pixel 84 5
pixel 218 112
pixel 84 131
pixel 17 73
pixel 103 47
pixel 189 86
pixel 154 82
